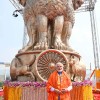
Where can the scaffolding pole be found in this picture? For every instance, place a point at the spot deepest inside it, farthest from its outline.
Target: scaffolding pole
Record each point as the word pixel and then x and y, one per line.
pixel 94 40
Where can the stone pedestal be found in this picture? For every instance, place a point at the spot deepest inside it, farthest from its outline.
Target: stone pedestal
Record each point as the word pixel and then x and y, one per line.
pixel 37 65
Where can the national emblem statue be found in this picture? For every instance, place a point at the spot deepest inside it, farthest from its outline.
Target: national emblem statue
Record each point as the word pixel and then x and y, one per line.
pixel 49 26
pixel 49 23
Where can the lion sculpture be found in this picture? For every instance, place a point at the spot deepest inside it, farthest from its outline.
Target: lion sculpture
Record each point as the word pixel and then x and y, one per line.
pixel 49 23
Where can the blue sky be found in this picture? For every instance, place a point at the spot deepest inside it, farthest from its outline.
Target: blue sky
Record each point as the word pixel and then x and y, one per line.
pixel 12 29
pixel 11 32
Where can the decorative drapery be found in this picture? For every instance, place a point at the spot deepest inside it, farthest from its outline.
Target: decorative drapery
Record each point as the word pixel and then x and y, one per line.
pixel 97 73
pixel 37 91
pixel 82 91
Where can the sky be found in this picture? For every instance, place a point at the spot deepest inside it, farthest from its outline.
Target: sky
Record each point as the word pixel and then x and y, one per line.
pixel 12 30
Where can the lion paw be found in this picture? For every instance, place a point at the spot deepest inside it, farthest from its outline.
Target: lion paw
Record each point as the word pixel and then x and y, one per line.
pixel 59 45
pixel 41 46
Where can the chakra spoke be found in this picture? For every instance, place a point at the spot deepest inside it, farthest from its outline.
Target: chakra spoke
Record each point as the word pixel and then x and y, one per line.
pixel 44 64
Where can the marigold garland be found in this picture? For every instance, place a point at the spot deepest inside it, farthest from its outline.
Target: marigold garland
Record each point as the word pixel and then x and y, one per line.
pixel 11 93
pixel 29 90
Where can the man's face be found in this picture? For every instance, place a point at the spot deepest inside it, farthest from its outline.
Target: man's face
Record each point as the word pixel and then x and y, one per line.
pixel 59 68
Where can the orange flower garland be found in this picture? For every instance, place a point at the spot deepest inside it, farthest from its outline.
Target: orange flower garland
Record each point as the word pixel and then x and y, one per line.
pixel 34 90
pixel 82 91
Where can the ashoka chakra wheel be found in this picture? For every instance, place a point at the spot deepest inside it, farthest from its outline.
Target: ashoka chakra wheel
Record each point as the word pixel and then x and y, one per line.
pixel 46 63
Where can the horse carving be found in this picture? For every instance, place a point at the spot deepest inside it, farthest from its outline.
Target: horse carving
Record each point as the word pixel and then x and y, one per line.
pixel 77 69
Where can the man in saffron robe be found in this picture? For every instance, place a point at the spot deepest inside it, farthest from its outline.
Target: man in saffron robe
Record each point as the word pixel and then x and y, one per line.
pixel 59 84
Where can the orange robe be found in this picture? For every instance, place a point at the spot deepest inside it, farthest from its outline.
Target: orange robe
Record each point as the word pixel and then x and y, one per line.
pixel 58 83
